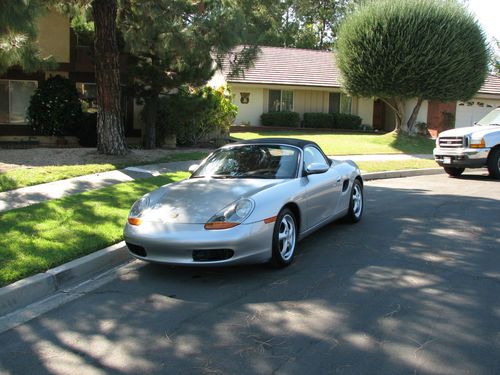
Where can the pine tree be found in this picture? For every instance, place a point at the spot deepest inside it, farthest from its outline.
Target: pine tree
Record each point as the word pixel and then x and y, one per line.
pixel 177 42
pixel 18 32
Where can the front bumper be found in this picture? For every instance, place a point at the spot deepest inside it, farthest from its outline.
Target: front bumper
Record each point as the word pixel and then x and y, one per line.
pixel 461 157
pixel 183 243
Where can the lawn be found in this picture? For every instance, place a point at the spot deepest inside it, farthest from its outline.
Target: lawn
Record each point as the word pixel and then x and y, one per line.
pixel 36 238
pixel 353 144
pixel 21 177
pixel 395 165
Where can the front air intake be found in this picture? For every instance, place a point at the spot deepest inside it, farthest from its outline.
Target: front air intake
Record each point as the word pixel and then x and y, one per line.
pixel 136 249
pixel 212 255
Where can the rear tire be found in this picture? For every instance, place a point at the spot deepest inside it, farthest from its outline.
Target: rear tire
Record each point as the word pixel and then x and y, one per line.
pixel 454 172
pixel 494 163
pixel 284 239
pixel 356 203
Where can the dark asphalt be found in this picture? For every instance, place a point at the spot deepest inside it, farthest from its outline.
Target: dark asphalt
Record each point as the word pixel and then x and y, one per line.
pixel 414 288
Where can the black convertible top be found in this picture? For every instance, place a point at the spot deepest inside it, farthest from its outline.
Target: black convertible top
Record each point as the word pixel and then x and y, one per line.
pixel 301 143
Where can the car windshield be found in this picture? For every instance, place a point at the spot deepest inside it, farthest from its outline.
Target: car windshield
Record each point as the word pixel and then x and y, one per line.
pixel 251 161
pixel 492 118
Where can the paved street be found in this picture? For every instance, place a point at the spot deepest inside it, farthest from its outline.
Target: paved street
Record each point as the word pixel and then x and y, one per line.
pixel 414 288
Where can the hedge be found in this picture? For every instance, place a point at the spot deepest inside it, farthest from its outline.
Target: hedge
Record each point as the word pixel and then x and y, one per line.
pixel 331 120
pixel 318 120
pixel 282 119
pixel 346 121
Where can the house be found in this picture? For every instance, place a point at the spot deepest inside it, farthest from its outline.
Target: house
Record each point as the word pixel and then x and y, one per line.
pixel 284 79
pixel 74 61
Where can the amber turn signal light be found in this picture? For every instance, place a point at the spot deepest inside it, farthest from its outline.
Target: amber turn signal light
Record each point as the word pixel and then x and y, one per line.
pixel 134 221
pixel 220 225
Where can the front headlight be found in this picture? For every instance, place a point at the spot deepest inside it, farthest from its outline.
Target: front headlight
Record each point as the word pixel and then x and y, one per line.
pixel 477 143
pixel 138 208
pixel 232 215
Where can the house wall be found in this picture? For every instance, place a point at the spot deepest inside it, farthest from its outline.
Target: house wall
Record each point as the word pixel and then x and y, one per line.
pixel 314 99
pixel 365 110
pixel 54 35
pixel 248 114
pixel 422 114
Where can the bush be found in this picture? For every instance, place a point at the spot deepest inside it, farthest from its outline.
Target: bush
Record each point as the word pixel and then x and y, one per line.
pixel 318 120
pixel 346 121
pixel 282 119
pixel 87 130
pixel 55 108
pixel 196 115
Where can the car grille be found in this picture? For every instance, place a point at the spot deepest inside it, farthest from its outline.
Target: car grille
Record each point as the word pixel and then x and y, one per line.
pixel 452 142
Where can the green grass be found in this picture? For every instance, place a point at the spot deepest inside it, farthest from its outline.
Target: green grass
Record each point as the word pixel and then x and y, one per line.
pixel 353 144
pixel 395 165
pixel 21 177
pixel 36 238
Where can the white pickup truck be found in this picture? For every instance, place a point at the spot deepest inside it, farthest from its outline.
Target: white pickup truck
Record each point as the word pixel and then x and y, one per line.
pixel 472 147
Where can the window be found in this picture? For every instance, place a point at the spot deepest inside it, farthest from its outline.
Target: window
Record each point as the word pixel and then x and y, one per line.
pixel 340 103
pixel 313 155
pixel 14 100
pixel 280 101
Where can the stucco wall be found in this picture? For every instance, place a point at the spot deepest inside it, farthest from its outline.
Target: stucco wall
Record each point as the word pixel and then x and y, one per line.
pixel 248 113
pixel 422 114
pixel 53 36
pixel 365 110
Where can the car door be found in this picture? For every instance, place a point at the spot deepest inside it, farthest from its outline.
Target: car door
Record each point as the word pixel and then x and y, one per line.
pixel 322 190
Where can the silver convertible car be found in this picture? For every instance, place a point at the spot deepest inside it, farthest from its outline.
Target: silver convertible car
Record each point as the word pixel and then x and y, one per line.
pixel 247 202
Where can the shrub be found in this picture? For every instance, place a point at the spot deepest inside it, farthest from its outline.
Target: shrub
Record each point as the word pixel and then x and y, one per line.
pixel 196 115
pixel 87 129
pixel 346 121
pixel 318 120
pixel 282 119
pixel 55 108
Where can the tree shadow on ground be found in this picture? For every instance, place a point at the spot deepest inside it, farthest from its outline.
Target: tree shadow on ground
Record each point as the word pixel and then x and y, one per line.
pixel 412 288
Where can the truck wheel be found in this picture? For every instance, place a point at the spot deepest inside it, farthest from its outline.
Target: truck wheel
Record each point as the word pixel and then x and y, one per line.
pixel 494 163
pixel 454 172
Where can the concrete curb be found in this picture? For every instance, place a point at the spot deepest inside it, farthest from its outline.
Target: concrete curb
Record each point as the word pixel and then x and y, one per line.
pixel 403 173
pixel 31 289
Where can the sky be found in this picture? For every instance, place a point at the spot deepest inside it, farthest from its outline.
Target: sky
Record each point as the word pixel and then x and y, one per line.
pixel 488 15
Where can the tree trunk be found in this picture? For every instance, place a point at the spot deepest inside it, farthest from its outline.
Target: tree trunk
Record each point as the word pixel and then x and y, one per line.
pixel 110 132
pixel 413 117
pixel 397 106
pixel 151 106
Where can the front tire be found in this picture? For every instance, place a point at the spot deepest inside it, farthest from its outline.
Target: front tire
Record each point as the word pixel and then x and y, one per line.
pixel 356 203
pixel 284 239
pixel 454 172
pixel 494 163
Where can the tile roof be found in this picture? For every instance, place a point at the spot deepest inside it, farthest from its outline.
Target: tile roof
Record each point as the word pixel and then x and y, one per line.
pixel 290 66
pixel 304 67
pixel 491 85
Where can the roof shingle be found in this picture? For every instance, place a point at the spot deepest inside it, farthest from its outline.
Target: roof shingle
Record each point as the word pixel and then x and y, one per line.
pixel 290 66
pixel 303 67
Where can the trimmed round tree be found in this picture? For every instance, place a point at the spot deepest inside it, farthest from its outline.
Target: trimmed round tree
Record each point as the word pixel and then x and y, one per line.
pixel 401 49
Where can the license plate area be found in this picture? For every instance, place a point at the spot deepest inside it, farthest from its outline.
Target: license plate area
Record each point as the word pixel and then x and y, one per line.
pixel 446 160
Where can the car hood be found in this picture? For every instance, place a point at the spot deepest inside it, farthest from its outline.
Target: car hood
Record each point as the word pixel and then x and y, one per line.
pixel 196 200
pixel 460 132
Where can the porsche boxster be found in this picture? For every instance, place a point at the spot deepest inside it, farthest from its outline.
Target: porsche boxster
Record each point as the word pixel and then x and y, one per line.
pixel 247 202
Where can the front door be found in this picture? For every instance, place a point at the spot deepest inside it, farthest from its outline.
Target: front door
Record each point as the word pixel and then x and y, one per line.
pixel 378 114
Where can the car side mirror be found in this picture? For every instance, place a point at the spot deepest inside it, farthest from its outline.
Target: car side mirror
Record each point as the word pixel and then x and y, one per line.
pixel 317 168
pixel 193 168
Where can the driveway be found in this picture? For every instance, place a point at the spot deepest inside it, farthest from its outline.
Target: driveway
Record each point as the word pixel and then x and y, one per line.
pixel 412 289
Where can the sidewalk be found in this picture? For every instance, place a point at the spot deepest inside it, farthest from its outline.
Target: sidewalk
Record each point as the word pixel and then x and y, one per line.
pixel 27 196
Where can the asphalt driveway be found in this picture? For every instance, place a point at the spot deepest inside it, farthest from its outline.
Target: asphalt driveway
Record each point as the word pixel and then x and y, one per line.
pixel 413 288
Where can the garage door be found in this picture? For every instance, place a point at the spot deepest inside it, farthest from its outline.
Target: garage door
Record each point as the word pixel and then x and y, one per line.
pixel 470 112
